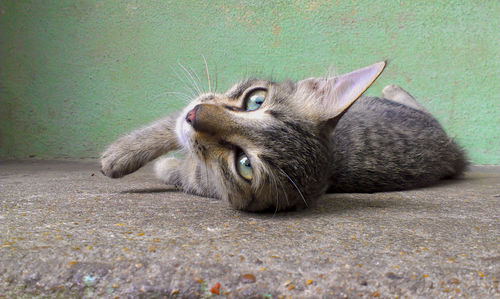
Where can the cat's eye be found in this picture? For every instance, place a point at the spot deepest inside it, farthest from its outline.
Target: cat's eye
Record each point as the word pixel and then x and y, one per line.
pixel 254 99
pixel 243 166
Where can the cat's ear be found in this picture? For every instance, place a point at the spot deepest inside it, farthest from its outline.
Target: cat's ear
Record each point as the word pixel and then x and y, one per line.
pixel 333 95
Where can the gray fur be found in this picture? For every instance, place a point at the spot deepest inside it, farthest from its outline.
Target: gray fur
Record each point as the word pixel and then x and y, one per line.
pixel 381 145
pixel 375 145
pixel 134 150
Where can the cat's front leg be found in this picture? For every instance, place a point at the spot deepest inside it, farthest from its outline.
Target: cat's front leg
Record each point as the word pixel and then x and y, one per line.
pixel 134 150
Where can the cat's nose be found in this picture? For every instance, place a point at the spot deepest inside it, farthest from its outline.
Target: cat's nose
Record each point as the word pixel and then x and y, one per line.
pixel 212 119
pixel 191 115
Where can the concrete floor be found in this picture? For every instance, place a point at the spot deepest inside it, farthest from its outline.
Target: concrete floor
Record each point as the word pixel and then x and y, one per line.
pixel 67 230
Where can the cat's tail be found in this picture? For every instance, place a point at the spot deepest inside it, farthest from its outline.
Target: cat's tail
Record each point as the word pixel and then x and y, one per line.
pixel 458 161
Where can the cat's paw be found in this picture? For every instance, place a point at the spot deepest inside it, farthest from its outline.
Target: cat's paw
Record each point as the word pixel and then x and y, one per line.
pixel 167 170
pixel 118 160
pixel 391 91
pixel 397 94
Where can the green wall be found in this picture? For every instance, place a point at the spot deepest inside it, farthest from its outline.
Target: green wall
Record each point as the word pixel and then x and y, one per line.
pixel 75 75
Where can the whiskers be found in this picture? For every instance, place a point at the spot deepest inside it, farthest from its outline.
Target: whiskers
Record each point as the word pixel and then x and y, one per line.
pixel 275 185
pixel 294 185
pixel 277 198
pixel 191 83
pixel 193 79
pixel 208 74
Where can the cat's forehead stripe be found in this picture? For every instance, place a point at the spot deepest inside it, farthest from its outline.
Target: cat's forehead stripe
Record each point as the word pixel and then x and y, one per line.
pixel 240 88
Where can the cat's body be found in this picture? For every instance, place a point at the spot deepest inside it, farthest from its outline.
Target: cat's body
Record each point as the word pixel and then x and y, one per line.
pixel 381 145
pixel 264 145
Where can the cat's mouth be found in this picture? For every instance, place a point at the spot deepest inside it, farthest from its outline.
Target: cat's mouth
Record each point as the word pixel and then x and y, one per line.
pixel 182 131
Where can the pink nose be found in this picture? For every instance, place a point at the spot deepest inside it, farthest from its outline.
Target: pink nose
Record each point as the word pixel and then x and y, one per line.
pixel 191 116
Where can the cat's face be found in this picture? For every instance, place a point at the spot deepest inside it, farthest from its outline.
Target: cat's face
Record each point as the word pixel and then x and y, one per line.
pixel 266 145
pixel 261 149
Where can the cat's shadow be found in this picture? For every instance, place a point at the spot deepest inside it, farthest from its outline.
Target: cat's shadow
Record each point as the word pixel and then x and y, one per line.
pixel 347 203
pixel 343 203
pixel 331 203
pixel 337 203
pixel 149 190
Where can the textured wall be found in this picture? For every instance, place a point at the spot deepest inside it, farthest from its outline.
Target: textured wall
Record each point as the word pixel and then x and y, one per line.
pixel 77 74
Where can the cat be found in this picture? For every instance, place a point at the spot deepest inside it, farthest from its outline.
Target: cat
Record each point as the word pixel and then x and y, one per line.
pixel 264 145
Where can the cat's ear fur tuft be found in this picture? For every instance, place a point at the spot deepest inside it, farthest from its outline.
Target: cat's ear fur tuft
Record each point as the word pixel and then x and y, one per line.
pixel 333 95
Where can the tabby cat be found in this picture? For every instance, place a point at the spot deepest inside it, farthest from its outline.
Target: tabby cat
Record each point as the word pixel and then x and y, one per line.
pixel 265 145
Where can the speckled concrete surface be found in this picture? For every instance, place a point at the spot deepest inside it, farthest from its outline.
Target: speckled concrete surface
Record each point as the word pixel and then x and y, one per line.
pixel 66 230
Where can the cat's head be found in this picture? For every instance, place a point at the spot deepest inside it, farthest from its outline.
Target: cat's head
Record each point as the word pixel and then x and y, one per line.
pixel 266 144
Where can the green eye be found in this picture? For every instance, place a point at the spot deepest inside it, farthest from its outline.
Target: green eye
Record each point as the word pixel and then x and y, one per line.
pixel 243 166
pixel 255 99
